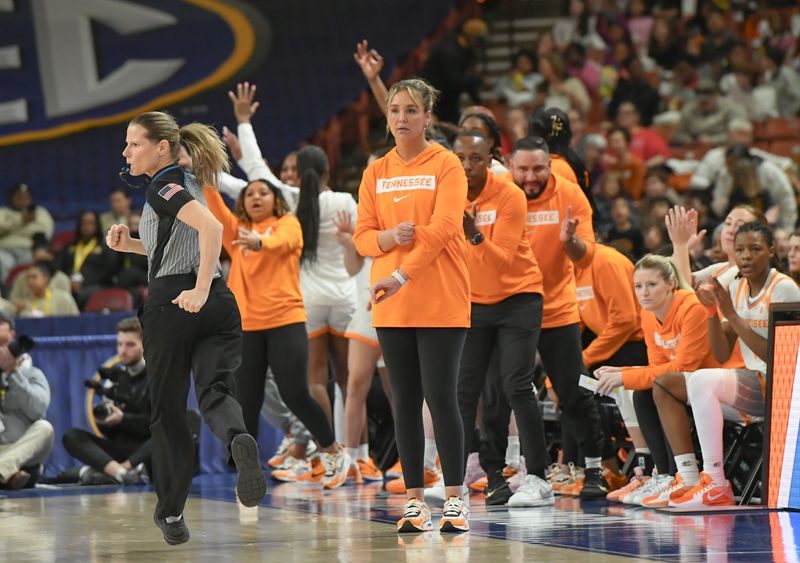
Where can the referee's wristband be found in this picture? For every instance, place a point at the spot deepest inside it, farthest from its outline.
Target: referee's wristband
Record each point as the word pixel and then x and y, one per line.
pixel 400 277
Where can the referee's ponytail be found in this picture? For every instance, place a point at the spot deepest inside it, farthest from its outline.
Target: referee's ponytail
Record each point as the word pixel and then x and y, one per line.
pixel 312 167
pixel 202 141
pixel 207 150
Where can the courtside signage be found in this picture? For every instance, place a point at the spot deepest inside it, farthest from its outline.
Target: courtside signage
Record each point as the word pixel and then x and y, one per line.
pixel 69 65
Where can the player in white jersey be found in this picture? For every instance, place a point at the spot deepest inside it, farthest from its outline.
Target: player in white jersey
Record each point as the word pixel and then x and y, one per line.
pixel 713 393
pixel 329 293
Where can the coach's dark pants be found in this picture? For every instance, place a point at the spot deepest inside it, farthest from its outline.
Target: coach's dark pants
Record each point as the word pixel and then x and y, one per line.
pixel 560 350
pixel 512 328
pixel 175 344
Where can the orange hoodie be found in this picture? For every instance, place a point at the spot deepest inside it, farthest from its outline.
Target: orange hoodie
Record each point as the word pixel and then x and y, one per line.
pixel 266 283
pixel 430 191
pixel 608 304
pixel 679 344
pixel 545 215
pixel 503 264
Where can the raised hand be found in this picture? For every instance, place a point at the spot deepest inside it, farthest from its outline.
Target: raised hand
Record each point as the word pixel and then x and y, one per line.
pixel 243 105
pixel 569 226
pixel 118 238
pixel 369 60
pixel 232 141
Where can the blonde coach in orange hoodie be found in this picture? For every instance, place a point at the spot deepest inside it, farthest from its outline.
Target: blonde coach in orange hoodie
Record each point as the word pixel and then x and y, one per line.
pixel 506 315
pixel 560 234
pixel 410 209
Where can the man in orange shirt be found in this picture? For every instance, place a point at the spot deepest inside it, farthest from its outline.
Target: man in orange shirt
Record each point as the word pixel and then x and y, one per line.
pixel 506 296
pixel 561 237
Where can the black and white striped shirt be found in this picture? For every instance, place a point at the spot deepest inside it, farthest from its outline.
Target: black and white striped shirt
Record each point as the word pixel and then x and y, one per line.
pixel 169 190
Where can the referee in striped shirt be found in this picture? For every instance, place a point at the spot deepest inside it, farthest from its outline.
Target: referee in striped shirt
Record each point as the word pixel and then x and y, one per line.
pixel 190 320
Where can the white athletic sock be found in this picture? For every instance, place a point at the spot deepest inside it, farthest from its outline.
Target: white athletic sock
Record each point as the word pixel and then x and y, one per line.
pixel 120 474
pixel 593 462
pixel 716 470
pixel 645 451
pixel 512 451
pixel 687 467
pixel 430 453
pixel 353 453
pixel 363 451
pixel 173 519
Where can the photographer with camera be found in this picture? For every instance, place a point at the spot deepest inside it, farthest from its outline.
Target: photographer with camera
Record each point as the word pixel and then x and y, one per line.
pixel 25 437
pixel 122 453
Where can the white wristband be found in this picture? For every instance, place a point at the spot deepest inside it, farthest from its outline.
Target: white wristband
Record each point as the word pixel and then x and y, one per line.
pixel 399 277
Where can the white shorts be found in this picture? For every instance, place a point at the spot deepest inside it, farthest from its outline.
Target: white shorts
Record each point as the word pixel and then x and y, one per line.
pixel 328 319
pixel 360 327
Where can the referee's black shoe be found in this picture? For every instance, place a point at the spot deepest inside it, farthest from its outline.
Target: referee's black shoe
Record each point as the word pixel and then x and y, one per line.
pixel 175 533
pixel 251 485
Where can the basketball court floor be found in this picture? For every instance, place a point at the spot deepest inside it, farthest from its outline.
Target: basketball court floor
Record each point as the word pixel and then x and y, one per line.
pixel 355 524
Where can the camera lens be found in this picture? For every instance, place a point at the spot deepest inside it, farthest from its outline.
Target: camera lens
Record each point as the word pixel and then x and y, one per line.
pixel 101 411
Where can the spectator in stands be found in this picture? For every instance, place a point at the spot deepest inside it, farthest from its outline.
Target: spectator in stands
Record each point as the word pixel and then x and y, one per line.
pixel 21 293
pixel 655 237
pixel 740 87
pixel 44 300
pixel 452 67
pixel 121 455
pixel 664 46
pixel 625 234
pixel 793 257
pixel 133 273
pixel 119 202
pixel 768 177
pixel 619 159
pixel 88 261
pixel 580 25
pixel 747 190
pixel 639 23
pixel 645 142
pixel 518 86
pixel 679 89
pixel 591 151
pixel 26 439
pixel 288 173
pixel 20 222
pixel 707 118
pixel 784 79
pixel 717 43
pixel 634 86
pixel 559 90
pixel 656 185
pixel 587 71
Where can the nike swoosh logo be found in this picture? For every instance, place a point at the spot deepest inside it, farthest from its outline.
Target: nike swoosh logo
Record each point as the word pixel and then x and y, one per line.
pixel 401 198
pixel 712 498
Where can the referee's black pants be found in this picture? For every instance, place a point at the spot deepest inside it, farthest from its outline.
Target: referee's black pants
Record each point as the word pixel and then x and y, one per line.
pixel 512 328
pixel 175 344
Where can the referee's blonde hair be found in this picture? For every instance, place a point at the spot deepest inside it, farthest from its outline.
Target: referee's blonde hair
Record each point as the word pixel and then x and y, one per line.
pixel 202 142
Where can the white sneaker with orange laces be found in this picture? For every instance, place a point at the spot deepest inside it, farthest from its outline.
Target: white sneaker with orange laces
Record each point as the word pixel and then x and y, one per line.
pixel 705 494
pixel 661 499
pixel 455 516
pixel 416 517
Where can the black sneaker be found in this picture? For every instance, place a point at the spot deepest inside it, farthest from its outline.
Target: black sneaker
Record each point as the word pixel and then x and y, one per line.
pixel 94 477
pixel 594 484
pixel 175 533
pixel 251 485
pixel 497 490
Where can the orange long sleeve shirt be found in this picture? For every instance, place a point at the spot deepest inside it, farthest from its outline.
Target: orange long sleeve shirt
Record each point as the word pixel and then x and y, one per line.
pixel 678 344
pixel 429 190
pixel 266 283
pixel 503 264
pixel 545 215
pixel 607 304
